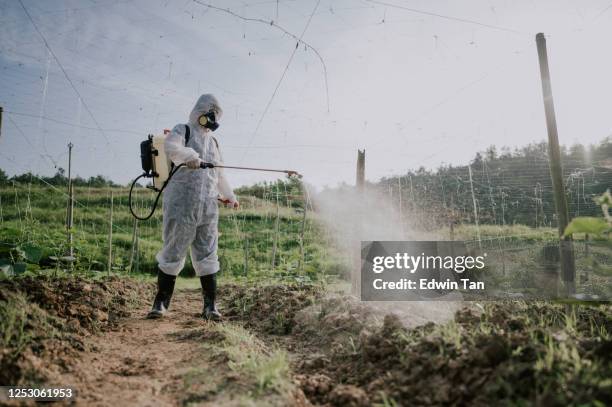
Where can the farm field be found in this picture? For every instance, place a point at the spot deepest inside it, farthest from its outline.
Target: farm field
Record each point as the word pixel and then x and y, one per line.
pixel 293 335
pixel 414 203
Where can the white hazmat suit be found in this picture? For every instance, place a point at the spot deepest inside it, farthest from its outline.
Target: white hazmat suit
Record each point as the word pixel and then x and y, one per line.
pixel 190 207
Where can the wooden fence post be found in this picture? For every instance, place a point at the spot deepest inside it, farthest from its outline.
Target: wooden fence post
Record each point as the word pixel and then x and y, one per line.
pixel 360 177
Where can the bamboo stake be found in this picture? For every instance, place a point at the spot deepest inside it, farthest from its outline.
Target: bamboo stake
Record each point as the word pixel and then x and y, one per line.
pixel 276 230
pixel 246 256
pixel 134 237
pixel 302 238
pixel 70 205
pixel 399 193
pixel 475 208
pixel 110 234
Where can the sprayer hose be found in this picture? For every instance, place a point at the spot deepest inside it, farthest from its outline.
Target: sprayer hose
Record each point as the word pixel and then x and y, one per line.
pixel 154 207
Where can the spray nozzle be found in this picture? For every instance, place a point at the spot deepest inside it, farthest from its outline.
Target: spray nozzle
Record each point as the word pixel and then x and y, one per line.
pixel 295 174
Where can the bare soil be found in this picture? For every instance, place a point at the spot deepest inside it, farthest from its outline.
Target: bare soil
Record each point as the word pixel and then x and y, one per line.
pixel 341 352
pixel 142 362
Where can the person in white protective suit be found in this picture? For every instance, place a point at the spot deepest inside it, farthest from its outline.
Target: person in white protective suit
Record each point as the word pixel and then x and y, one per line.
pixel 190 207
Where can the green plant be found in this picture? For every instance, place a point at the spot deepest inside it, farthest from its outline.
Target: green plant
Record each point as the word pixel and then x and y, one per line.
pixel 269 370
pixel 598 227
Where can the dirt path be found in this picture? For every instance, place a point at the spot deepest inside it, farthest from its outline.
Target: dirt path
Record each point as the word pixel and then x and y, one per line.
pixel 144 362
pixel 279 345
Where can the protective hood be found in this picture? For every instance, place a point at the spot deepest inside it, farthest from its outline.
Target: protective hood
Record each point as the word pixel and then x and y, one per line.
pixel 205 104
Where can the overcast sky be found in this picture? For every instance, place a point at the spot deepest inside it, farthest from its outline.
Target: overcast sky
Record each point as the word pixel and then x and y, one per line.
pixel 413 82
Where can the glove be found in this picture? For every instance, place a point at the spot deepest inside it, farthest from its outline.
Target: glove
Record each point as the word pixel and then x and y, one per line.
pixel 193 164
pixel 230 203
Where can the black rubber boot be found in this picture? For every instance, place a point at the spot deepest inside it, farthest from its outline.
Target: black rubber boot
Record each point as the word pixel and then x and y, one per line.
pixel 165 288
pixel 209 292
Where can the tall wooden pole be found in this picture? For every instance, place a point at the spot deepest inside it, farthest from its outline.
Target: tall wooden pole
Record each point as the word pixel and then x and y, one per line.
pixel 1 111
pixel 568 263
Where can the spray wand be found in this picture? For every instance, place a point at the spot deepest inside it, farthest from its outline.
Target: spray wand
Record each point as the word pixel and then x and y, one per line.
pixel 290 173
pixel 203 165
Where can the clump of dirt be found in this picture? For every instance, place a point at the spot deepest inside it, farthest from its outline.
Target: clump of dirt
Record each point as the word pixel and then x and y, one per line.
pixel 349 396
pixel 43 320
pixel 269 308
pixel 315 386
pixel 320 389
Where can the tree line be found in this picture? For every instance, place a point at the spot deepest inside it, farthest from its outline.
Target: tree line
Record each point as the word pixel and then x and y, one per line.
pixel 507 186
pixel 59 179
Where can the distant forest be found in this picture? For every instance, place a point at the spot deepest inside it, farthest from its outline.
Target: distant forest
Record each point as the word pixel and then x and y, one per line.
pixel 59 179
pixel 508 186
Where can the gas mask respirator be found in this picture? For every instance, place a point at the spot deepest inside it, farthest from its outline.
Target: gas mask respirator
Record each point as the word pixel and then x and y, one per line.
pixel 209 121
